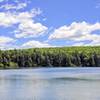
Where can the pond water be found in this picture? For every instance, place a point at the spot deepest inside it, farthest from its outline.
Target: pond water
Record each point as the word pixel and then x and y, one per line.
pixel 50 84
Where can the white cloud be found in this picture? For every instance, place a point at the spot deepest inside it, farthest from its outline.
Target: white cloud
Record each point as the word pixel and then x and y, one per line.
pixel 23 21
pixel 7 43
pixel 27 27
pixel 4 40
pixel 13 6
pixel 95 40
pixel 9 18
pixel 30 29
pixel 35 44
pixel 78 32
pixel 8 47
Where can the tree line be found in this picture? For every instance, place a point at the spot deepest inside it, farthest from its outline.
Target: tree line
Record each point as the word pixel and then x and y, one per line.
pixel 50 57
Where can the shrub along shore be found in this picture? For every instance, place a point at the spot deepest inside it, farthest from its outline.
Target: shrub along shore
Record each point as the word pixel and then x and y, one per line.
pixel 50 57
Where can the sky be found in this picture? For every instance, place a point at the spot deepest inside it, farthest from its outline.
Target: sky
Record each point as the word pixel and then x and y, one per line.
pixel 49 23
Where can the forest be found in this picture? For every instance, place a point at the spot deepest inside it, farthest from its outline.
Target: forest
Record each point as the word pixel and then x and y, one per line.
pixel 50 57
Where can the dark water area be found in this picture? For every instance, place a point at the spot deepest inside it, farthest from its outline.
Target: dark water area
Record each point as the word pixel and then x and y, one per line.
pixel 50 84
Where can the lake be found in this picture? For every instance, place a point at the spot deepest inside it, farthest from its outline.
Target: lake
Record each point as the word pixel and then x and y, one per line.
pixel 50 84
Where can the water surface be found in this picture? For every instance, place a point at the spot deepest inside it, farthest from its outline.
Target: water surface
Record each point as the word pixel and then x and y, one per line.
pixel 50 84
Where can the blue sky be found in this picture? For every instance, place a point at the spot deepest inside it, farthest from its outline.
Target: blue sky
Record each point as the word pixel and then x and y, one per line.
pixel 49 23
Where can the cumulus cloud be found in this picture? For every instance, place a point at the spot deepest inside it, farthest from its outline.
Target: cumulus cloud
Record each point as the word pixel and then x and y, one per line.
pixel 78 32
pixel 24 21
pixel 9 18
pixel 35 44
pixel 5 42
pixel 13 15
pixel 30 29
pixel 26 25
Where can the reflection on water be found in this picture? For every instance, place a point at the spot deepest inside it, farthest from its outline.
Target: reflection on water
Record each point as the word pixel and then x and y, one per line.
pixel 50 84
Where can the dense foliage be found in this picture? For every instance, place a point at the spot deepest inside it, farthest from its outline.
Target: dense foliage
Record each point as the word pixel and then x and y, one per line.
pixel 51 57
